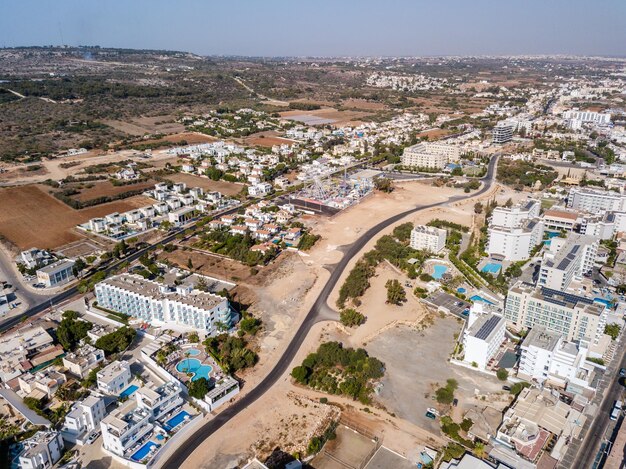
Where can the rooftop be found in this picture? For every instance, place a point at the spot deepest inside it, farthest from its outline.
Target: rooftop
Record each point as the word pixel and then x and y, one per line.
pixel 541 338
pixel 56 266
pixel 486 326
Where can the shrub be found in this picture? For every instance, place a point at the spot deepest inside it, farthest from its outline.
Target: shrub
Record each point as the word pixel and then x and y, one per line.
pixel 502 374
pixel 351 318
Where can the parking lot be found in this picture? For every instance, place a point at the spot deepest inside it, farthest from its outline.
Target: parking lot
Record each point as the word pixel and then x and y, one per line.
pixel 417 361
pixel 449 303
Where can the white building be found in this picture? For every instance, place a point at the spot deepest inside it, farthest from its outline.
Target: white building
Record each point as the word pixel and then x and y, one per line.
pixel 503 132
pixel 568 259
pixel 17 349
pixel 545 356
pixel 560 220
pixel 483 336
pixel 573 317
pixel 260 189
pixel 588 116
pixel 162 305
pixel 123 427
pixel 84 418
pixel 114 378
pixel 42 450
pixel 430 155
pixel 83 360
pixel 161 400
pixel 514 216
pixel 57 273
pixel 428 238
pixel 595 200
pixel 515 244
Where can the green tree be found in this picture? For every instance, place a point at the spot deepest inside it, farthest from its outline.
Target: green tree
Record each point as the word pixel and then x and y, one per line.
pixel 395 292
pixel 403 232
pixel 612 330
pixel 502 374
pixel 478 208
pixel 199 388
pixel 117 341
pixel 351 317
pixel 189 263
pixel 301 374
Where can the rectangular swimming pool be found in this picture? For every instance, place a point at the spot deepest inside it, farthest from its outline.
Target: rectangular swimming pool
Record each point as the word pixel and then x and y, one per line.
pixel 142 452
pixel 492 268
pixel 176 420
pixel 476 298
pixel 129 391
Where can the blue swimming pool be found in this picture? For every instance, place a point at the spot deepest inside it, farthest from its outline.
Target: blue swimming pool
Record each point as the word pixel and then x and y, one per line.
pixel 480 298
pixel 603 301
pixel 176 420
pixel 192 352
pixel 461 290
pixel 439 270
pixel 142 452
pixel 492 268
pixel 129 391
pixel 160 437
pixel 195 366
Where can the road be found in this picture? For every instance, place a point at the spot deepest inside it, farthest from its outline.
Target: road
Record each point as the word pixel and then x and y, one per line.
pixel 596 433
pixel 178 457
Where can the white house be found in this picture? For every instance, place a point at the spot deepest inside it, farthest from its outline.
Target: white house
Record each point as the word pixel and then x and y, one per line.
pixel 42 450
pixel 114 378
pixel 84 417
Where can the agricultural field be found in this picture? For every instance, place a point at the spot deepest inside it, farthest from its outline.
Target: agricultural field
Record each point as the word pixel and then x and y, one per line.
pixel 95 189
pixel 30 217
pixel 226 188
pixel 267 139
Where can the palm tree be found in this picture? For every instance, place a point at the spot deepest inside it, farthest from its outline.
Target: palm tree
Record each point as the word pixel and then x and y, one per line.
pixel 479 450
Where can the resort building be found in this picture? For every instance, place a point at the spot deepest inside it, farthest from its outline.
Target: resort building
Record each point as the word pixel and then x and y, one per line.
pixel 568 259
pixel 114 378
pixel 161 400
pixel 430 155
pixel 515 244
pixel 83 360
pixel 84 418
pixel 42 450
pixel 176 307
pixel 57 273
pixel 599 118
pixel 573 317
pixel 514 216
pixel 595 200
pixel 556 220
pixel 124 427
pixel 547 357
pixel 428 238
pixel 483 336
pixel 503 132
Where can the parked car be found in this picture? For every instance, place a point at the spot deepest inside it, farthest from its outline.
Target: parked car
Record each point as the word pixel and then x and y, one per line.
pixel 622 372
pixel 430 415
pixel 506 388
pixel 455 402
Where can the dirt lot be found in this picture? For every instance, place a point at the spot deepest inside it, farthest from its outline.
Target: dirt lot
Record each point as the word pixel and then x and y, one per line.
pixel 363 104
pixel 350 447
pixel 333 115
pixel 416 362
pixel 147 125
pixel 191 138
pixel 106 189
pixel 226 188
pixel 267 139
pixel 434 134
pixel 30 217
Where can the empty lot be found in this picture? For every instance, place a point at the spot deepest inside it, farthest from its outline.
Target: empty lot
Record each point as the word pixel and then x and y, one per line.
pixel 226 188
pixel 415 362
pixel 30 217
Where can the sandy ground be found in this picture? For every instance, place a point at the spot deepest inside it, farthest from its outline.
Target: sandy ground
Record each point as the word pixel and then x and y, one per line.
pixel 282 304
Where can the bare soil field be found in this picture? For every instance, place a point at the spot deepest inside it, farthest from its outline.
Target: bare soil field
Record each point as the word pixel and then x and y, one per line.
pixel 226 188
pixel 338 117
pixel 267 139
pixel 146 125
pixel 363 104
pixel 192 138
pixel 30 217
pixel 434 134
pixel 106 189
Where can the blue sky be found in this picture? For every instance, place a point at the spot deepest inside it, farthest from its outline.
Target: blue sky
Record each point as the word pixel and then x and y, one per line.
pixel 323 27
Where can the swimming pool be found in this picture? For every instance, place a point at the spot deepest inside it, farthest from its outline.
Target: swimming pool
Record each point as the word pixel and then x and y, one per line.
pixel 192 352
pixel 142 452
pixel 438 271
pixel 491 268
pixel 460 290
pixel 480 298
pixel 195 366
pixel 176 420
pixel 129 391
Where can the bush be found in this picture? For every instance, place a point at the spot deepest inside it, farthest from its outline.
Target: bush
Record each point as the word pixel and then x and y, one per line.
pixel 117 341
pixel 395 292
pixel 199 388
pixel 351 318
pixel 519 387
pixel 612 330
pixel 445 395
pixel 502 374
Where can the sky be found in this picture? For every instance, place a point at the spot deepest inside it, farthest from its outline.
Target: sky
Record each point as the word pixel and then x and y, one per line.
pixel 323 27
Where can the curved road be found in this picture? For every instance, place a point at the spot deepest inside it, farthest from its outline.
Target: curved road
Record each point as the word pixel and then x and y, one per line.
pixel 179 456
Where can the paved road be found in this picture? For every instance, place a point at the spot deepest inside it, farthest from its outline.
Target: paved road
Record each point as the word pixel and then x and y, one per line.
pixel 593 438
pixel 178 457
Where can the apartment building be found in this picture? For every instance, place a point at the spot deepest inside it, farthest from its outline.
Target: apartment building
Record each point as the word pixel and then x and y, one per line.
pixel 483 336
pixel 560 220
pixel 503 132
pixel 588 116
pixel 568 259
pixel 604 225
pixel 514 216
pixel 428 238
pixel 114 378
pixel 57 273
pixel 125 426
pixel 42 450
pixel 545 356
pixel 515 244
pixel 430 155
pixel 17 349
pixel 573 317
pixel 83 360
pixel 161 400
pixel 84 418
pixel 44 383
pixel 595 200
pixel 177 307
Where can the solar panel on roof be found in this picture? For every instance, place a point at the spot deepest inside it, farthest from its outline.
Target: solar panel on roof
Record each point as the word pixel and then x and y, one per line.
pixel 487 328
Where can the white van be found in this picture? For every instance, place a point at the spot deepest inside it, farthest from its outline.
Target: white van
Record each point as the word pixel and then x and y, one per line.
pixel 615 413
pixel 618 405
